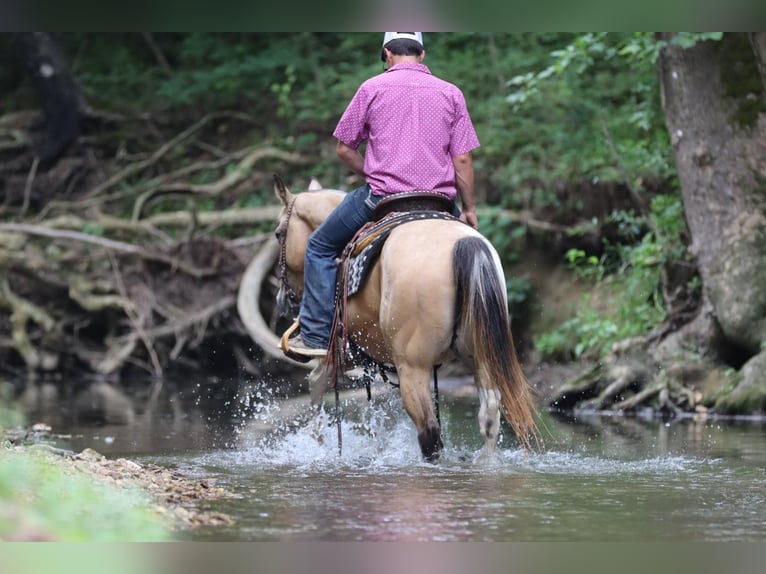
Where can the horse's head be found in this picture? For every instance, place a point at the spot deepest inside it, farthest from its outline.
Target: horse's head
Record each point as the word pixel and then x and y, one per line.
pixel 301 214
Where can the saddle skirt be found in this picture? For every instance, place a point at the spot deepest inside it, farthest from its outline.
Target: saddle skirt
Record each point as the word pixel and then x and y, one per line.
pixel 363 250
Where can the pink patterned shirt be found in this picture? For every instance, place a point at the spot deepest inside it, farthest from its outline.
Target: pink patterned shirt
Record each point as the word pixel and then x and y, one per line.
pixel 414 124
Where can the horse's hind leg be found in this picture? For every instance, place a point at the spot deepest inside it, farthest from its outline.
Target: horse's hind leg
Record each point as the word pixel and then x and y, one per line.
pixel 489 421
pixel 414 385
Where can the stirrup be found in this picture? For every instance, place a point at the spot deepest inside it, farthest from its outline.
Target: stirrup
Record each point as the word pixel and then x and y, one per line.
pixel 284 344
pixel 286 335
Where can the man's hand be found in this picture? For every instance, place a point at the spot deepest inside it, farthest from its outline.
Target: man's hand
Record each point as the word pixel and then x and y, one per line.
pixel 470 218
pixel 464 183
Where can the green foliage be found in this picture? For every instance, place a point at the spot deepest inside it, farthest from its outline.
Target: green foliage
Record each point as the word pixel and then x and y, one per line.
pixel 284 93
pixel 563 102
pixel 506 237
pixel 93 229
pixel 629 276
pixel 585 265
pixel 587 331
pixel 503 234
pixel 584 92
pixel 32 502
pixel 689 39
pixel 282 74
pixel 644 46
pixel 41 499
pixel 539 101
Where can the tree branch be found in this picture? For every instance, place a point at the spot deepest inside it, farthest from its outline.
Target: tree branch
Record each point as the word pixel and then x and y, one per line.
pixel 230 180
pixel 758 41
pixel 158 53
pixel 156 156
pixel 119 246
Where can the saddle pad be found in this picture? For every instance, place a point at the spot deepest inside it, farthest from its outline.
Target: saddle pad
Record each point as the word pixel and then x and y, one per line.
pixel 364 249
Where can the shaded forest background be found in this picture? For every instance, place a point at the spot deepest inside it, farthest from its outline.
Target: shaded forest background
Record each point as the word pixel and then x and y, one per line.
pixel 130 211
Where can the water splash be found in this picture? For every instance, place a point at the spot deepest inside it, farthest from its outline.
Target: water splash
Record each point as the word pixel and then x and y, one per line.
pixel 374 435
pixel 380 437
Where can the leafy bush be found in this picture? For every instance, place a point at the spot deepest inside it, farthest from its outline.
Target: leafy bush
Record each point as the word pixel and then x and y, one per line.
pixel 576 106
pixel 507 238
pixel 630 276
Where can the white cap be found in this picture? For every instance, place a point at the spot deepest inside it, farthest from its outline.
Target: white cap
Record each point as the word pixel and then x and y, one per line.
pixel 417 36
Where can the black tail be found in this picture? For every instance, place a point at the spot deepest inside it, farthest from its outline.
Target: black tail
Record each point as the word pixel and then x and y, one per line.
pixel 482 320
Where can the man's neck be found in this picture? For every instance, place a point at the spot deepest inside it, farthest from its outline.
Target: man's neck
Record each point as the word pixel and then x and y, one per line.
pixel 405 59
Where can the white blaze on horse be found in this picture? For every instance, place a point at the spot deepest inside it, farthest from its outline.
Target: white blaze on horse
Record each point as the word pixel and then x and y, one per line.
pixel 436 293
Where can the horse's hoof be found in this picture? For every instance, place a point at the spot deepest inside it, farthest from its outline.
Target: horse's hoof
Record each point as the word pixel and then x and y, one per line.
pixel 433 458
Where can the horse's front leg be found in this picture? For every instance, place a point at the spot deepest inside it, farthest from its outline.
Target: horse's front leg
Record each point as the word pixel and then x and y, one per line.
pixel 319 382
pixel 414 385
pixel 489 422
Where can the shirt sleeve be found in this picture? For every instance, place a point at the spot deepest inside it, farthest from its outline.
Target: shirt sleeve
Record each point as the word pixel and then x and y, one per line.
pixel 463 137
pixel 353 127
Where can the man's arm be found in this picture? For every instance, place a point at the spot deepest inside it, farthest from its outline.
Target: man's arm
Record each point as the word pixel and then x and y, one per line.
pixel 351 157
pixel 464 183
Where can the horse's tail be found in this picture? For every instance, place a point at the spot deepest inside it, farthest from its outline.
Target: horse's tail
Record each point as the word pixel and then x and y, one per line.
pixel 482 319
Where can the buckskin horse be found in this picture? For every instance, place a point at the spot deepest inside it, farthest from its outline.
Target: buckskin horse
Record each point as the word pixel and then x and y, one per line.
pixel 436 293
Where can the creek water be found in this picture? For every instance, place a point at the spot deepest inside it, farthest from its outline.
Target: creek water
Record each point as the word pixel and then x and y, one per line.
pixel 598 478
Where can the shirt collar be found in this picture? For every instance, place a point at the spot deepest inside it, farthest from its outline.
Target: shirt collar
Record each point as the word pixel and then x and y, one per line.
pixel 410 66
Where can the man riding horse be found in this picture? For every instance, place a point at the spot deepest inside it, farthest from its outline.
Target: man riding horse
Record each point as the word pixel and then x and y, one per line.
pixel 419 138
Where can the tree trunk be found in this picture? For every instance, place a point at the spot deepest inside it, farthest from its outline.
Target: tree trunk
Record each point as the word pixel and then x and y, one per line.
pixel 715 107
pixel 758 40
pixel 63 102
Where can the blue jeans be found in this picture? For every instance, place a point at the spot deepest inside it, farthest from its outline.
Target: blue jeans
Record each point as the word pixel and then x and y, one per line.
pixel 324 246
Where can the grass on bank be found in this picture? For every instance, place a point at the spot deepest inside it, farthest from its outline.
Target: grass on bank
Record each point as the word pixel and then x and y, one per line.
pixel 43 500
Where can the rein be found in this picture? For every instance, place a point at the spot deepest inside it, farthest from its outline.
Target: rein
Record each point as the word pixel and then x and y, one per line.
pixel 293 298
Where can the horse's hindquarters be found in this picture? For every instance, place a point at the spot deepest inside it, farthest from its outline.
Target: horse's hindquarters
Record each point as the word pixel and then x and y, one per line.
pixel 407 306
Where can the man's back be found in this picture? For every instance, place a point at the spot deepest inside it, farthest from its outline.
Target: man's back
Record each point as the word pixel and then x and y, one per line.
pixel 414 123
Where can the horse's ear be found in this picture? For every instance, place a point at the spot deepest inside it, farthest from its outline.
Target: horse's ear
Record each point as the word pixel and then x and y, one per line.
pixel 280 190
pixel 314 185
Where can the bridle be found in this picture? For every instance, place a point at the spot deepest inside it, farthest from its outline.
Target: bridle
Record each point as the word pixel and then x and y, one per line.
pixel 293 298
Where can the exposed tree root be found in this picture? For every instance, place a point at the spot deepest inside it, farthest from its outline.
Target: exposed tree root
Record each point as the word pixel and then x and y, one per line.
pixel 666 378
pixel 236 176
